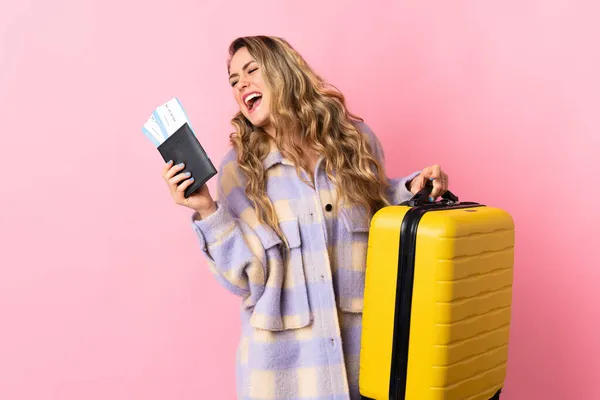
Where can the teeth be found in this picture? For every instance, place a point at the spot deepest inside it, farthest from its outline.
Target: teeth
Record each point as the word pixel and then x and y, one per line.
pixel 253 95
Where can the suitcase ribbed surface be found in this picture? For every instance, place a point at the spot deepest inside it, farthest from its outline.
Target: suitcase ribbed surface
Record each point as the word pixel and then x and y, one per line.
pixel 460 311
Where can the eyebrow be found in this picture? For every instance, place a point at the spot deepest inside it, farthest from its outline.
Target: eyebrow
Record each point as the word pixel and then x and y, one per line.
pixel 243 69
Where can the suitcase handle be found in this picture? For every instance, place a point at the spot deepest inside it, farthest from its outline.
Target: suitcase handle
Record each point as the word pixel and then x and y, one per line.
pixel 422 197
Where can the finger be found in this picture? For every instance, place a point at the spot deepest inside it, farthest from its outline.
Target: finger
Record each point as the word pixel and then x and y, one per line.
pixel 444 183
pixel 440 186
pixel 178 178
pixel 418 183
pixel 435 175
pixel 427 173
pixel 433 172
pixel 185 184
pixel 172 171
pixel 167 167
pixel 437 189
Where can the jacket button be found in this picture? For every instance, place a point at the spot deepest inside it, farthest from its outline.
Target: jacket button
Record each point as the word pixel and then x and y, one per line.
pixel 328 207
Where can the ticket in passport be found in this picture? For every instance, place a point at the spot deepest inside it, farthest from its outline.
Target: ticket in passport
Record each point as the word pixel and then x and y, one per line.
pixel 170 131
pixel 164 121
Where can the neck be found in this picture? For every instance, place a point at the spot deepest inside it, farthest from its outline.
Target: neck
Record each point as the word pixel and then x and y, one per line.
pixel 270 129
pixel 286 136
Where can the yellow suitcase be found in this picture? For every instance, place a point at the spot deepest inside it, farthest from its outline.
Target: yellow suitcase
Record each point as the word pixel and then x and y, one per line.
pixel 437 301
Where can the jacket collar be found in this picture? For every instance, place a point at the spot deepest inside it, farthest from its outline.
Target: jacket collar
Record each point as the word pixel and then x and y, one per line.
pixel 275 157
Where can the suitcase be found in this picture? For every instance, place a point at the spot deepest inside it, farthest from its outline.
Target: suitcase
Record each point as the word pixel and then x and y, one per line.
pixel 437 301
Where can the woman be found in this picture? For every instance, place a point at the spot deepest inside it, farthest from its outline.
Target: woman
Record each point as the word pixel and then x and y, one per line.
pixel 288 229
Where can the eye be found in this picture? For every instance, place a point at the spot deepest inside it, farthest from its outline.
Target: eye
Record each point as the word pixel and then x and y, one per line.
pixel 252 70
pixel 233 83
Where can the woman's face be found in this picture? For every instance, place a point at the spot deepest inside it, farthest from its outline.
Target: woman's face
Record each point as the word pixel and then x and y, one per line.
pixel 249 88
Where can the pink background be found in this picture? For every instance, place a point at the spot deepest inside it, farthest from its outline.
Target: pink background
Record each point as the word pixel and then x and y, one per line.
pixel 103 291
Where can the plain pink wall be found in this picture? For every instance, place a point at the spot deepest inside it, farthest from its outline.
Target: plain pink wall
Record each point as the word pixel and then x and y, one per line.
pixel 103 291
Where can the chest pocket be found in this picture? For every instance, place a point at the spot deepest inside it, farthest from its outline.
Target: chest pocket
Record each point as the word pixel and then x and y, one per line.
pixel 349 277
pixel 284 302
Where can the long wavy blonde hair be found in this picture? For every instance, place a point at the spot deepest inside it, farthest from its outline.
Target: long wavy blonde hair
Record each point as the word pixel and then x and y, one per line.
pixel 304 104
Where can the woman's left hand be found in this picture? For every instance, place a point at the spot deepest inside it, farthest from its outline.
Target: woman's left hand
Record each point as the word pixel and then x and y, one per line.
pixel 438 178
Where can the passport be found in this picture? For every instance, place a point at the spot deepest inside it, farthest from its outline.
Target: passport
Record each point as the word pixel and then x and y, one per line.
pixel 170 131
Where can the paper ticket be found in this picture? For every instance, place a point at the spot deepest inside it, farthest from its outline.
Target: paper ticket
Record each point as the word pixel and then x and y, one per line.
pixel 164 121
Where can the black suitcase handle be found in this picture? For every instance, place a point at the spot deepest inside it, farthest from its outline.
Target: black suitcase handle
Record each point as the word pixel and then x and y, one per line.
pixel 422 197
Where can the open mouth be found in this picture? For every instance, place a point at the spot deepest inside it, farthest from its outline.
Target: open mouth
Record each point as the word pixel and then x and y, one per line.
pixel 252 100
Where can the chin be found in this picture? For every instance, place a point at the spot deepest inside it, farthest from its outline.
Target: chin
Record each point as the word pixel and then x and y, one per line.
pixel 259 122
pixel 257 119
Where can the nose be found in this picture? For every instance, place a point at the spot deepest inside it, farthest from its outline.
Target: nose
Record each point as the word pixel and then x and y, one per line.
pixel 242 84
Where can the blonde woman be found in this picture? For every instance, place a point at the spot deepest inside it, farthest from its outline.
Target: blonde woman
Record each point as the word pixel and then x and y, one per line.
pixel 287 231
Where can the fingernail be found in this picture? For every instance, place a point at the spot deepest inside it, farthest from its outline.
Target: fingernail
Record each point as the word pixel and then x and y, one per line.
pixel 191 179
pixel 170 162
pixel 187 174
pixel 180 165
pixel 430 198
pixel 431 178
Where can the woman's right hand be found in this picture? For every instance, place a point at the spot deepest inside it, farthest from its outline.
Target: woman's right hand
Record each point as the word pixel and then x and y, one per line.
pixel 200 201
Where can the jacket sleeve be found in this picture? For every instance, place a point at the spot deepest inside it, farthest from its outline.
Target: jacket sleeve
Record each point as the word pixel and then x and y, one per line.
pixel 398 191
pixel 247 257
pixel 235 254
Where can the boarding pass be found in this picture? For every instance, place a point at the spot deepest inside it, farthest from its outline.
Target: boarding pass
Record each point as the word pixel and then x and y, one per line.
pixel 165 120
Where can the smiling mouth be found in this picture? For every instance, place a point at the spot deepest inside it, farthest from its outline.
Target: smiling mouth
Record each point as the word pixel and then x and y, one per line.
pixel 252 101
